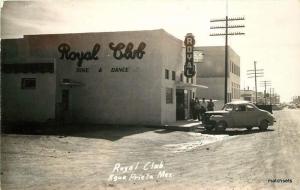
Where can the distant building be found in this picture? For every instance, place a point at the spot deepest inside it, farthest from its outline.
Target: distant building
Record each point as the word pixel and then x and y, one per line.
pixel 248 95
pixel 276 99
pixel 211 73
pixel 296 99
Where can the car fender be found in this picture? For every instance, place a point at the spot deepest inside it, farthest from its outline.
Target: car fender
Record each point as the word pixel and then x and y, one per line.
pixel 260 119
pixel 221 118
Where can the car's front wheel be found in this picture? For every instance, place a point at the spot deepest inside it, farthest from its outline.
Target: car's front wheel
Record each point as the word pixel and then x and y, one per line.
pixel 263 125
pixel 221 126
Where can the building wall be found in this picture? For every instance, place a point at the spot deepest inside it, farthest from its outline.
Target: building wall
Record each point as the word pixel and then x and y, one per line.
pixel 133 97
pixel 214 91
pixel 20 105
pixel 212 71
pixel 172 61
pixel 234 74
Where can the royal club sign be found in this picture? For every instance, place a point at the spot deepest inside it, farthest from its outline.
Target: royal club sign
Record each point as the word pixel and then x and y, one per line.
pixel 120 51
pixel 189 67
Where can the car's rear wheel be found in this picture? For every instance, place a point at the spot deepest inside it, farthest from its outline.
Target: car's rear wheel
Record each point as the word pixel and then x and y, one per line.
pixel 208 128
pixel 263 125
pixel 221 126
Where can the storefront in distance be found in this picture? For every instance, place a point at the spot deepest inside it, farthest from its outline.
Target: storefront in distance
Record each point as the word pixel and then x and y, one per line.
pixel 126 77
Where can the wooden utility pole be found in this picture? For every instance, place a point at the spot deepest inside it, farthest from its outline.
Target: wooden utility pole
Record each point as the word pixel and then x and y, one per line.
pixel 226 34
pixel 266 84
pixel 254 74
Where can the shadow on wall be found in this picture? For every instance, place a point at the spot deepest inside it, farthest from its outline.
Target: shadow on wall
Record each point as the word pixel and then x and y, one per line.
pixel 108 132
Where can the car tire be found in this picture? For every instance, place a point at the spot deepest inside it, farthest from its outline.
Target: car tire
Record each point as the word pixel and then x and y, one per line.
pixel 208 128
pixel 221 126
pixel 249 128
pixel 263 125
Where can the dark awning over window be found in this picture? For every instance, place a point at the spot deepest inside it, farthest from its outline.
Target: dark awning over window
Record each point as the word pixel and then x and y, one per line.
pixel 28 68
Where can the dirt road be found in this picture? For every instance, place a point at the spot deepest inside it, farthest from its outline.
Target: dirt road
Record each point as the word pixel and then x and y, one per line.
pixel 145 158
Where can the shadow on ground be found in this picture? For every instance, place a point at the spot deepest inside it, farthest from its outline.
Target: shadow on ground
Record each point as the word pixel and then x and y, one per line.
pixel 163 131
pixel 234 132
pixel 108 132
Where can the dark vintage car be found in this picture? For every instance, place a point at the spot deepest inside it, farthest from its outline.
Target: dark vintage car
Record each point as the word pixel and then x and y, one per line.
pixel 238 114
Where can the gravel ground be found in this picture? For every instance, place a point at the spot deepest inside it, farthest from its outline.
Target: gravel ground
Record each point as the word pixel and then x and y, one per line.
pixel 146 158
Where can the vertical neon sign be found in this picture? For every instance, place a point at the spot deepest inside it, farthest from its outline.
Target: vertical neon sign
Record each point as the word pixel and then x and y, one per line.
pixel 189 67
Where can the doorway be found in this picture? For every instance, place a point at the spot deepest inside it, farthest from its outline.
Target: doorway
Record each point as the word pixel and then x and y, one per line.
pixel 65 106
pixel 180 112
pixel 65 99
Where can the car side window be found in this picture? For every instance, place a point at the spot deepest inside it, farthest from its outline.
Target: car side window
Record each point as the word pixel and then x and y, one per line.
pixel 250 108
pixel 228 107
pixel 240 108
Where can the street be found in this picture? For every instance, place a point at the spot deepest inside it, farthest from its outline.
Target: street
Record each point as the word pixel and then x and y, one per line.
pixel 148 158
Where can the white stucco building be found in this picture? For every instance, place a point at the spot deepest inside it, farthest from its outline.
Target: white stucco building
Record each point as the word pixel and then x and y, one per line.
pixel 211 73
pixel 131 77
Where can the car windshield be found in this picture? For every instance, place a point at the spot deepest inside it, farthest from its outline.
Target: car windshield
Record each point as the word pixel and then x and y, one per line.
pixel 228 107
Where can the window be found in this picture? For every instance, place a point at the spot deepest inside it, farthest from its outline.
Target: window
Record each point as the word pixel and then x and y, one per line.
pixel 187 80
pixel 181 77
pixel 169 95
pixel 173 75
pixel 166 74
pixel 240 108
pixel 228 107
pixel 192 80
pixel 250 108
pixel 234 69
pixel 28 83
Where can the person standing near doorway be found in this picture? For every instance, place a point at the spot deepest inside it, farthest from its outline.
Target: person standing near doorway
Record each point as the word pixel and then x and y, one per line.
pixel 197 108
pixel 192 108
pixel 203 108
pixel 210 105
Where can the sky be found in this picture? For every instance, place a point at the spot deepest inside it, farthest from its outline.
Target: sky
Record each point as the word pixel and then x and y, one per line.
pixel 272 28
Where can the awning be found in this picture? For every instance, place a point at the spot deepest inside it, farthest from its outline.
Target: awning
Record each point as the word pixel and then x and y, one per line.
pixel 182 85
pixel 71 83
pixel 28 68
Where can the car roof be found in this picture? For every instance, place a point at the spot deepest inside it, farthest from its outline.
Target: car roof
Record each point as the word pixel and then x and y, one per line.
pixel 239 102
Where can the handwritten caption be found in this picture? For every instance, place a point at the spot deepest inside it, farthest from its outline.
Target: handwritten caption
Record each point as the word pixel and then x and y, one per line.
pixel 139 172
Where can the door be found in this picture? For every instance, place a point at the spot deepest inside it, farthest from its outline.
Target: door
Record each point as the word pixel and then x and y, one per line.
pixel 65 105
pixel 180 113
pixel 65 100
pixel 240 116
pixel 252 115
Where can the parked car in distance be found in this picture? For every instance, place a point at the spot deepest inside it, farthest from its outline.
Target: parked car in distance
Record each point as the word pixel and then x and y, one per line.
pixel 292 106
pixel 238 114
pixel 277 107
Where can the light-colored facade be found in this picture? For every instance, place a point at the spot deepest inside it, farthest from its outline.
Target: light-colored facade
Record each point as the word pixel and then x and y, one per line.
pixel 248 95
pixel 211 73
pixel 109 78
